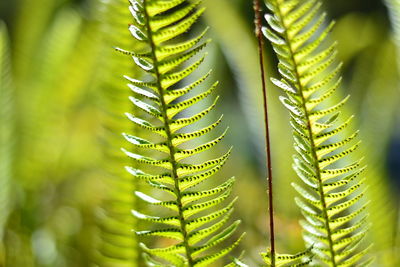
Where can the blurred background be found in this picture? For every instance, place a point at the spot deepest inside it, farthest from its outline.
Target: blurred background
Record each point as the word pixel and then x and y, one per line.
pixel 63 97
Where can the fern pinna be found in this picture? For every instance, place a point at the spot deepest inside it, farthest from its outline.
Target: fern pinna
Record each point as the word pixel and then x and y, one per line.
pixel 330 193
pixel 156 24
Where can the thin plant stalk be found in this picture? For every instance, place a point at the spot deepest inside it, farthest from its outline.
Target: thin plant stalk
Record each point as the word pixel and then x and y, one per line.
pixel 258 26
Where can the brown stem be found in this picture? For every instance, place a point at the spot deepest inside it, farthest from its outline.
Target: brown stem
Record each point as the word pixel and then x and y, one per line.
pixel 258 25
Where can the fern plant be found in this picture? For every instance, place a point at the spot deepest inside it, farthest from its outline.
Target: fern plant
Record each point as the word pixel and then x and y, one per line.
pixel 381 87
pixel 330 199
pixel 189 221
pixel 271 258
pixel 118 246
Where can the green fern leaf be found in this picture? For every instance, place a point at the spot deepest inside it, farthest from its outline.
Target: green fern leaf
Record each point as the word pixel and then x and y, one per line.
pixel 330 195
pixel 190 212
pixel 118 246
pixel 288 260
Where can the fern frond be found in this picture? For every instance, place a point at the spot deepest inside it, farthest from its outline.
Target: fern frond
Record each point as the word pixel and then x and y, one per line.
pixel 190 212
pixel 60 53
pixel 330 192
pixel 118 246
pixel 60 49
pixel 381 86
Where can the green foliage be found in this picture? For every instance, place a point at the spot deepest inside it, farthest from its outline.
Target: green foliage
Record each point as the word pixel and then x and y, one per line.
pixel 60 54
pixel 288 260
pixel 394 14
pixel 6 131
pixel 64 193
pixel 37 15
pixel 330 193
pixel 51 125
pixel 374 85
pixel 156 23
pixel 118 245
pixel 381 89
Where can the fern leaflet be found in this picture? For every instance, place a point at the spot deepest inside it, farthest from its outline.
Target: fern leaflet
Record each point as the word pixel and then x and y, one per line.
pixel 288 260
pixel 157 23
pixel 329 192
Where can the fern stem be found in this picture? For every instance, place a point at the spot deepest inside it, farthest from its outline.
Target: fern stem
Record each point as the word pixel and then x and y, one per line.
pixel 312 142
pixel 258 25
pixel 169 141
